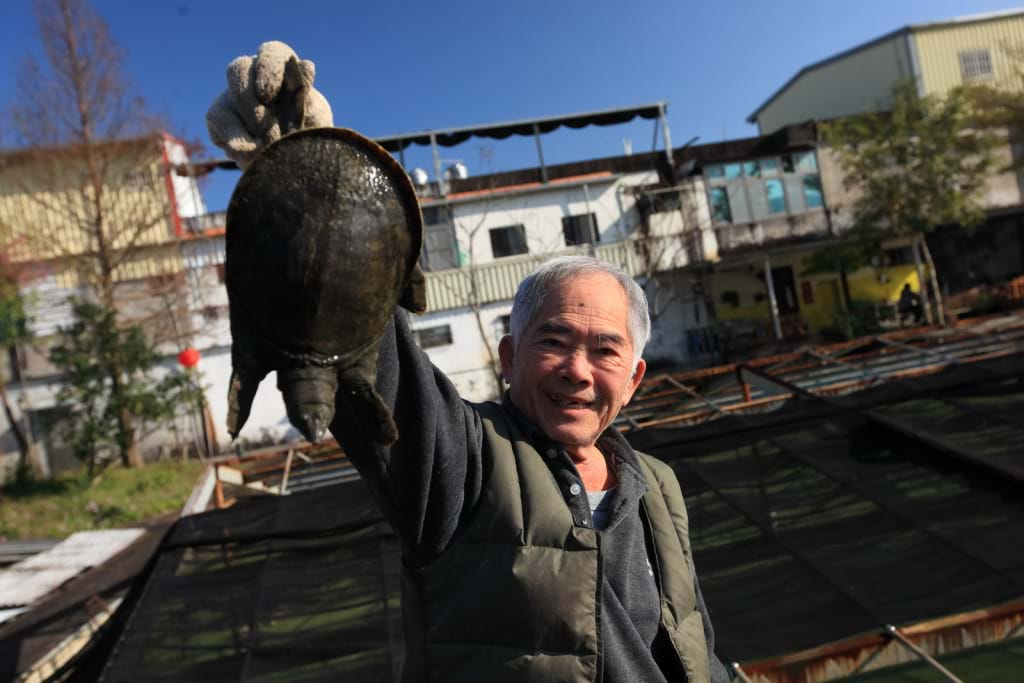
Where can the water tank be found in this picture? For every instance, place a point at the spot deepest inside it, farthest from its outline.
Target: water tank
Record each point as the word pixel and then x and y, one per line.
pixel 419 176
pixel 456 171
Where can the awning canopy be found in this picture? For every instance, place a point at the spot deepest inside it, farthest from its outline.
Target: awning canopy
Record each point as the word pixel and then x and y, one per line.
pixel 450 137
pixel 499 131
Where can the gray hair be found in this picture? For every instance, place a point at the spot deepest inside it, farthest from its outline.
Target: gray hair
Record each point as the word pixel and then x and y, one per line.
pixel 550 274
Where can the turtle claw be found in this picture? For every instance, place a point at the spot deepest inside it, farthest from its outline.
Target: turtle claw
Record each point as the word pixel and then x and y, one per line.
pixel 241 392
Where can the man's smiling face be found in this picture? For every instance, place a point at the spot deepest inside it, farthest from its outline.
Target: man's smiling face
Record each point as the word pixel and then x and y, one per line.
pixel 573 368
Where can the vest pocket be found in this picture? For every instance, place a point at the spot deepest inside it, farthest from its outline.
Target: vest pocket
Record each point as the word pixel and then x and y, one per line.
pixel 527 603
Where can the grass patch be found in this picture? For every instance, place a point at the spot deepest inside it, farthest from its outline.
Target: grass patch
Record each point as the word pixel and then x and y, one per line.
pixel 55 508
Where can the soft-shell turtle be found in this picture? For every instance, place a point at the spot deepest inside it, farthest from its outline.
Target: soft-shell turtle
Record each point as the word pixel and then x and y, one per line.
pixel 323 234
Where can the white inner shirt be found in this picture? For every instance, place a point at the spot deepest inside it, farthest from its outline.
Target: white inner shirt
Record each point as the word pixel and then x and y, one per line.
pixel 600 506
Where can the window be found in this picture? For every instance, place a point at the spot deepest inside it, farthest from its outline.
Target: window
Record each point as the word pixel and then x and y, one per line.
pixel 812 192
pixel 715 171
pixel 751 169
pixel 508 241
pixel 733 170
pixel 663 202
pixel 798 162
pixel 580 229
pixel 975 65
pixel 720 205
pixel 429 337
pixel 136 180
pixel 776 196
pixel 899 256
pixel 805 161
pixel 432 215
pixel 769 166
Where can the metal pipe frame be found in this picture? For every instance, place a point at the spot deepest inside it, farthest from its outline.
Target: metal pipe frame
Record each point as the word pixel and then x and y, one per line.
pixel 866 374
pixel 894 632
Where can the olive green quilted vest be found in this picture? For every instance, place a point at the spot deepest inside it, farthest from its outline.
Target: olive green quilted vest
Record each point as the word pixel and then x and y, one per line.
pixel 517 595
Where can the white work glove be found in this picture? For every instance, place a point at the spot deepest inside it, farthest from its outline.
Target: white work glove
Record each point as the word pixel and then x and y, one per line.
pixel 267 95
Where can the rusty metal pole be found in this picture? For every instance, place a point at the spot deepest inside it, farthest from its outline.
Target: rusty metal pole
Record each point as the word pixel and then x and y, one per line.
pixel 744 386
pixel 740 673
pixel 894 632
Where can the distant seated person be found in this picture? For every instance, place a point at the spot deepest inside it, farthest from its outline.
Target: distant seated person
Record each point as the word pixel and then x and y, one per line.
pixel 910 305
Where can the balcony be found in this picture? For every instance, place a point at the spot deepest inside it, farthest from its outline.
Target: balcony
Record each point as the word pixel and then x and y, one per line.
pixel 498 280
pixel 197 225
pixel 770 232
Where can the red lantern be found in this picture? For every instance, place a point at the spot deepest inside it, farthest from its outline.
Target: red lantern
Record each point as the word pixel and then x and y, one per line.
pixel 189 357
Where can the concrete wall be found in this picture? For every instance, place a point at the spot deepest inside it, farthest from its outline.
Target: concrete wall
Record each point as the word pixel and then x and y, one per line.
pixel 465 361
pixel 1003 188
pixel 859 81
pixel 680 313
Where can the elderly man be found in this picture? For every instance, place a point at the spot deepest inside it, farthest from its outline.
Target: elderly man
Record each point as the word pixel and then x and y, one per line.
pixel 537 545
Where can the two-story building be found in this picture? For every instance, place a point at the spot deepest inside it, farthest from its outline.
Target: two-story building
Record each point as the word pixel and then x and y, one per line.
pixel 981 49
pixel 54 228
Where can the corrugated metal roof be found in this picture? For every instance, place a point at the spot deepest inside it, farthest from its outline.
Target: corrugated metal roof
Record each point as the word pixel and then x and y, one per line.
pixel 26 582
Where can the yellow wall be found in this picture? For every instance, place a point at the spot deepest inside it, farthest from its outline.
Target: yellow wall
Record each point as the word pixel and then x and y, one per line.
pixel 45 215
pixel 938 51
pixel 866 284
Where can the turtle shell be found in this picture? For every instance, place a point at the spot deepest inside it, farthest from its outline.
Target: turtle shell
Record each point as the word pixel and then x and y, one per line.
pixel 323 231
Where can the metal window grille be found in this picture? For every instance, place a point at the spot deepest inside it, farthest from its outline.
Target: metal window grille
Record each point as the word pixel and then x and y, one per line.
pixel 975 65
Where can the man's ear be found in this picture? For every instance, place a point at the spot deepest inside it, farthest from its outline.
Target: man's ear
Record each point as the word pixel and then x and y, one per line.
pixel 506 354
pixel 634 381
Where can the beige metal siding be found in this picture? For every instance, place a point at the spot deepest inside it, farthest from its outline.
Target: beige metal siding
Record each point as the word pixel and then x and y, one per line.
pixel 853 83
pixel 938 51
pixel 43 216
pixel 151 263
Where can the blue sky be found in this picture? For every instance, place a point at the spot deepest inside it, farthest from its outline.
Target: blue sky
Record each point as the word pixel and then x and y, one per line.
pixel 392 67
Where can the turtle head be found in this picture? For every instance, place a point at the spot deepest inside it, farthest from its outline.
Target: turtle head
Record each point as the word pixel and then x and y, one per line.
pixel 309 399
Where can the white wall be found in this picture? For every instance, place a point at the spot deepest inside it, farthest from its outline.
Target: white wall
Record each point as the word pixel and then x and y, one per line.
pixel 187 197
pixel 541 211
pixel 465 360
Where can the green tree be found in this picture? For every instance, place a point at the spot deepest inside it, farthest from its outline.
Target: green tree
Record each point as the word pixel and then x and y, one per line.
pixel 86 163
pixel 13 331
pixel 917 166
pixel 1000 103
pixel 109 387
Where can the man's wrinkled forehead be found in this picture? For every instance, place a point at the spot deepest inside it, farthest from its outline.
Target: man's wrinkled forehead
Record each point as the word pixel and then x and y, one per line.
pixel 604 337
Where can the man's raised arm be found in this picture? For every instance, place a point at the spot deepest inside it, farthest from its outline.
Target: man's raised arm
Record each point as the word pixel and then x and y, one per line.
pixel 424 479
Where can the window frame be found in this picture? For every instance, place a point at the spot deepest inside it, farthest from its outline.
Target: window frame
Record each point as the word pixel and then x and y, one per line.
pixel 444 332
pixel 575 222
pixel 976 65
pixel 724 189
pixel 504 230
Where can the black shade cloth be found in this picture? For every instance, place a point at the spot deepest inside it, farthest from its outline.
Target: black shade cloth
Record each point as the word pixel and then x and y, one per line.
pixel 813 524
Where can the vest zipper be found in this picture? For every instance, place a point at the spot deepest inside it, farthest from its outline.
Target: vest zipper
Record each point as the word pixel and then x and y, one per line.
pixel 662 630
pixel 652 550
pixel 599 674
